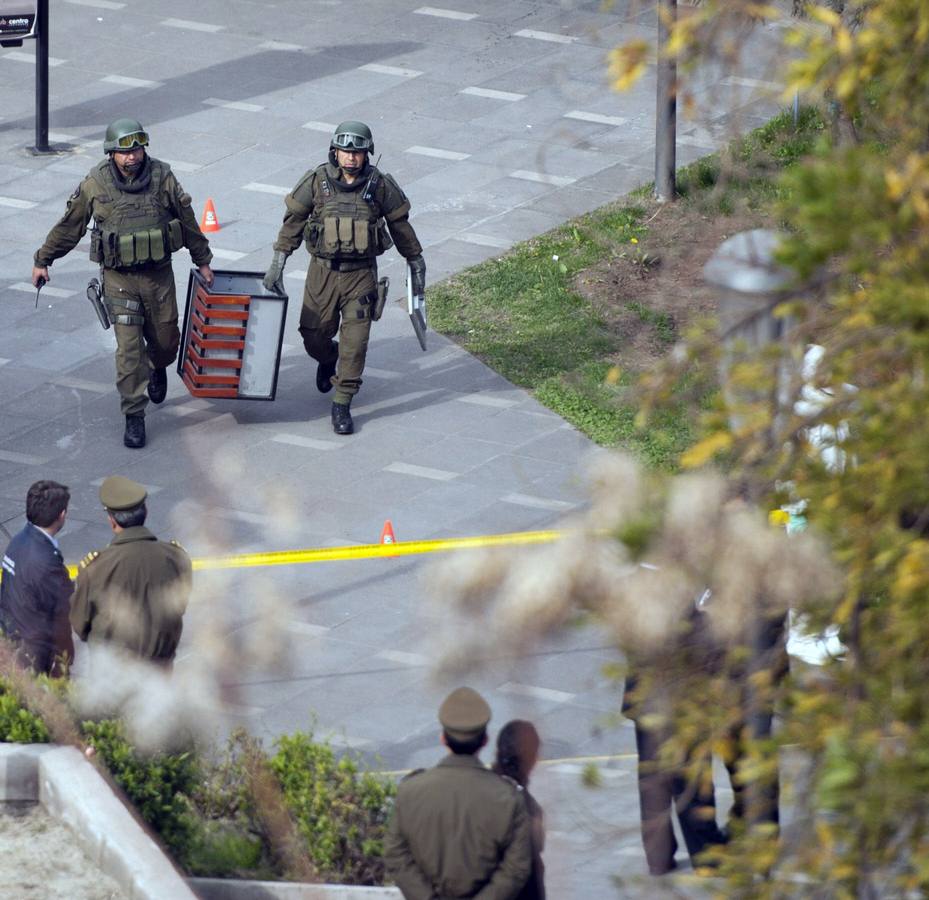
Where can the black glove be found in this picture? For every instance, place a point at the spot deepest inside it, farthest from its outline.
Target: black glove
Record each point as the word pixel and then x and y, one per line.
pixel 274 277
pixel 418 276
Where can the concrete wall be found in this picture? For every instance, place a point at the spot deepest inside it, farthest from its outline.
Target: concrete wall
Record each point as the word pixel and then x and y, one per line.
pixel 72 790
pixel 224 889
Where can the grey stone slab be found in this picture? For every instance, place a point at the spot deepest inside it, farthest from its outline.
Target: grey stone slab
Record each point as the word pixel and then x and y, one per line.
pixel 61 354
pixel 624 176
pixel 573 201
pixel 53 400
pixel 14 425
pixel 507 517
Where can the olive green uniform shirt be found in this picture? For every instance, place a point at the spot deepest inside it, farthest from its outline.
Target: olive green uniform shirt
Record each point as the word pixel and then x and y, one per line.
pixel 133 594
pixel 390 199
pixel 459 830
pixel 72 226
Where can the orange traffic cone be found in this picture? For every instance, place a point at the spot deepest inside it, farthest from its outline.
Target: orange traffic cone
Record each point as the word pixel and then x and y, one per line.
pixel 387 534
pixel 209 222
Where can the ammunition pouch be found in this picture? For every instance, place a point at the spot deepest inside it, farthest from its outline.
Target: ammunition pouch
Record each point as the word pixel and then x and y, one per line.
pixel 155 244
pixel 96 247
pixel 377 310
pixel 346 238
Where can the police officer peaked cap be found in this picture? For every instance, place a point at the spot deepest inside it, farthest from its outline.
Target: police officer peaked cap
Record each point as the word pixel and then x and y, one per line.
pixel 464 714
pixel 118 493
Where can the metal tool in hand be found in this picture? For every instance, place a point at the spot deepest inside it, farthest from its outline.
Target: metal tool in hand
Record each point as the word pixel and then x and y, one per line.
pixel 416 307
pixel 38 290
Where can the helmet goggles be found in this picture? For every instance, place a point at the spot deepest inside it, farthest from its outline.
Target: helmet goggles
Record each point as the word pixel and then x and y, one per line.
pixel 345 140
pixel 131 141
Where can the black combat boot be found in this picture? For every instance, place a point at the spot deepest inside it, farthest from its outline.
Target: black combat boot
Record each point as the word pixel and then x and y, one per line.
pixel 158 385
pixel 324 373
pixel 134 436
pixel 342 419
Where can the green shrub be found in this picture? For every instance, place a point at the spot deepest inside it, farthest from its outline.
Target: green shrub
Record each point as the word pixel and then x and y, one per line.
pixel 231 839
pixel 17 724
pixel 158 785
pixel 340 811
pixel 204 810
pixel 223 791
pixel 224 849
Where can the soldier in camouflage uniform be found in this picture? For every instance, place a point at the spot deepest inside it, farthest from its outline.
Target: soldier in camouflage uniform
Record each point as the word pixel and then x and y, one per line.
pixel 349 213
pixel 141 216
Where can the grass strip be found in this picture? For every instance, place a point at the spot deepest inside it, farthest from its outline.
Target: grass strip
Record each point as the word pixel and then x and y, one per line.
pixel 520 314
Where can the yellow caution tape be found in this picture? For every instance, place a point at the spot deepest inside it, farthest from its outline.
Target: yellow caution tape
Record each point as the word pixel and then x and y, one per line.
pixel 372 551
pixel 365 551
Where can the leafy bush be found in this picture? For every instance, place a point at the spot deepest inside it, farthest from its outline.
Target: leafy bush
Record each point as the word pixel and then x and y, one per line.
pixel 204 807
pixel 158 785
pixel 221 850
pixel 17 724
pixel 340 811
pixel 231 839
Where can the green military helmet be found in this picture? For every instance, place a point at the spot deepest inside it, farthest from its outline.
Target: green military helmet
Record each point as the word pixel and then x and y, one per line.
pixel 124 134
pixel 351 135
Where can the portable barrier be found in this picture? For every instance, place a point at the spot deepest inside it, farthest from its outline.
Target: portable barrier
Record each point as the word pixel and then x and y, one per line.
pixel 232 336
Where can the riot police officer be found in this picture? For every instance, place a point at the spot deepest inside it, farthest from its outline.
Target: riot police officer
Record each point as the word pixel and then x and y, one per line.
pixel 348 212
pixel 141 216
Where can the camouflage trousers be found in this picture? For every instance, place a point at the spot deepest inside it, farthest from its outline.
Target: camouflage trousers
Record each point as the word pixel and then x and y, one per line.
pixel 148 336
pixel 340 302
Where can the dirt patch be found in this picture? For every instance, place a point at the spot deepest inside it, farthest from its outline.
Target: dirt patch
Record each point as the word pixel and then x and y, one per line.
pixel 650 291
pixel 41 859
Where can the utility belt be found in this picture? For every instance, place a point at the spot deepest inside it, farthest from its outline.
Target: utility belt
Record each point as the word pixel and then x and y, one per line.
pixel 346 265
pixel 119 250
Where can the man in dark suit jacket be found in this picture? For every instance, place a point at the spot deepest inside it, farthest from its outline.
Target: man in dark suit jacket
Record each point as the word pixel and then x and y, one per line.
pixel 36 590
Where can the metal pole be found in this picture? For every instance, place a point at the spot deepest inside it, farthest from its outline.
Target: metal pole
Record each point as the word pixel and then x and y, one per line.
pixel 41 78
pixel 796 108
pixel 666 111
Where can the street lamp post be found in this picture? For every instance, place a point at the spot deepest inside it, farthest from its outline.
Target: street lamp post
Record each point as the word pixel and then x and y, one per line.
pixel 41 78
pixel 666 107
pixel 751 284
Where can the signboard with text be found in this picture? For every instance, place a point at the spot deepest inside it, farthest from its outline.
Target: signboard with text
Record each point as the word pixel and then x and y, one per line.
pixel 17 19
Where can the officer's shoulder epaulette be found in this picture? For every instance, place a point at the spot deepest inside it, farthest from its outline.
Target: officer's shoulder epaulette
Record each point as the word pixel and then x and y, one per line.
pixel 87 560
pixel 177 544
pixel 511 781
pixel 412 774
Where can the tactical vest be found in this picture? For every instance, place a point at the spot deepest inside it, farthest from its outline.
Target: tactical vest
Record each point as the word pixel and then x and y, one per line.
pixel 132 229
pixel 346 224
